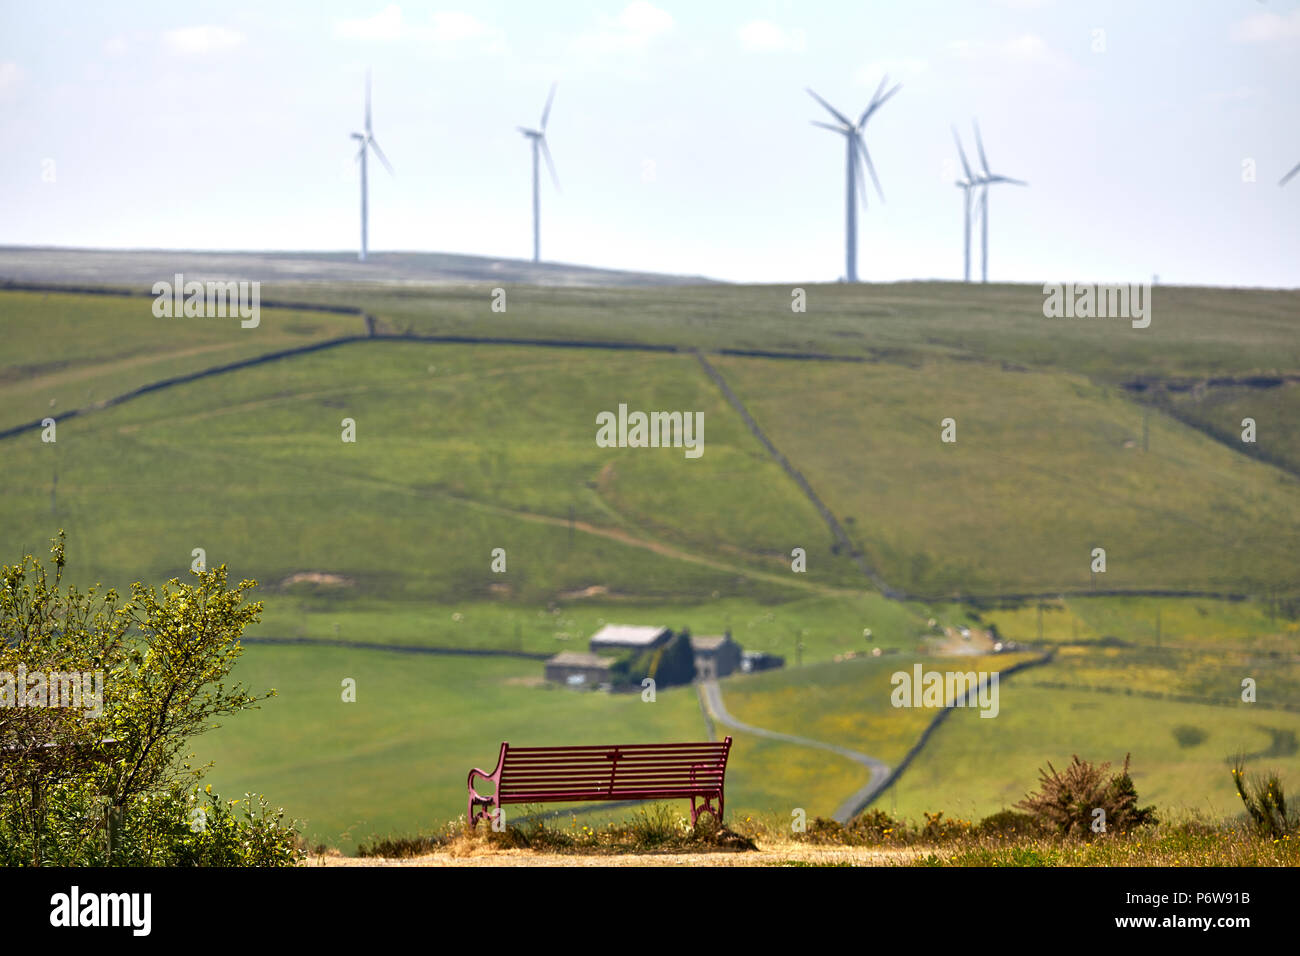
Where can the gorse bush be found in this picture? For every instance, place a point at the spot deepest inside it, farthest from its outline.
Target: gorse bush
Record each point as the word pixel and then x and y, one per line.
pixel 1265 803
pixel 80 776
pixel 1067 800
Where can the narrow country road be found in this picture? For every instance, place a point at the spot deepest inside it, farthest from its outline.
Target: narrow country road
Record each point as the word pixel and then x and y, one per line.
pixel 712 695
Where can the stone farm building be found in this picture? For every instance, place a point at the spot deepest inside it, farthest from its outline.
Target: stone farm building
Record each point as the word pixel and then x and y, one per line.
pixel 578 668
pixel 715 656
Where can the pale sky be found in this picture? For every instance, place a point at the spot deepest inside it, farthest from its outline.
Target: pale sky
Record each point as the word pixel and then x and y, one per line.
pixel 680 131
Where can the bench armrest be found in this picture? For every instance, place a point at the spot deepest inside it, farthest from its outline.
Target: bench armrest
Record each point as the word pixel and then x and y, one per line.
pixel 476 798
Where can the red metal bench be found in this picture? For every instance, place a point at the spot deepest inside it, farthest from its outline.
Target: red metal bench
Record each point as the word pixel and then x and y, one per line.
pixel 582 774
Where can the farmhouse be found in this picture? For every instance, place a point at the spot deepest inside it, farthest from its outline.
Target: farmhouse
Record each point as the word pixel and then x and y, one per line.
pixel 715 656
pixel 577 668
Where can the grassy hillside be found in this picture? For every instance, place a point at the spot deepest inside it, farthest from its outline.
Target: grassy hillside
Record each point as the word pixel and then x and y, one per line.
pixel 465 448
pixel 64 352
pixel 1193 331
pixel 1045 467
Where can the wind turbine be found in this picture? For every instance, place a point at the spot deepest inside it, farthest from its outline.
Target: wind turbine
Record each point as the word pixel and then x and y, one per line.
pixel 967 186
pixel 538 137
pixel 985 181
pixel 856 155
pixel 1287 178
pixel 367 141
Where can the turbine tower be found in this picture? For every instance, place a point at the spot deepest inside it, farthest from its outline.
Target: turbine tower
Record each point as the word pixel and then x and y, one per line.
pixel 987 179
pixel 538 138
pixel 856 155
pixel 1287 178
pixel 968 186
pixel 367 141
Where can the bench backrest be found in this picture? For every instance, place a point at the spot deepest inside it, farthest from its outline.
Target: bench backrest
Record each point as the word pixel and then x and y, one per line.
pixel 628 771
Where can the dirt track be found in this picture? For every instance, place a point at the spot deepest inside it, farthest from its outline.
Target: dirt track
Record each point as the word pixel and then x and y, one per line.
pixel 774 856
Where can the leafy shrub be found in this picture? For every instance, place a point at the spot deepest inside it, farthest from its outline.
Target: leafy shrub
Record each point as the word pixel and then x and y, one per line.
pixel 938 829
pixel 674 663
pixel 74 778
pixel 875 825
pixel 1009 823
pixel 1066 800
pixel 177 828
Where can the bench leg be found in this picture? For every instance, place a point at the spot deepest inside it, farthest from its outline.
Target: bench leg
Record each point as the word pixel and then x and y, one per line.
pixel 489 808
pixel 706 805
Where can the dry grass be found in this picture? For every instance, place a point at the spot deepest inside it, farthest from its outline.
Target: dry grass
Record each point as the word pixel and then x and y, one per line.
pixel 658 837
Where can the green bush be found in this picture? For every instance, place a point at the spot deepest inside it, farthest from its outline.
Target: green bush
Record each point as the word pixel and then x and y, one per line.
pixel 82 773
pixel 1009 823
pixel 197 828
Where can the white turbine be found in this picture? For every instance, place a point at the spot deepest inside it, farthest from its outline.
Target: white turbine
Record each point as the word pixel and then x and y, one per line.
pixel 367 141
pixel 968 186
pixel 987 179
pixel 855 156
pixel 538 138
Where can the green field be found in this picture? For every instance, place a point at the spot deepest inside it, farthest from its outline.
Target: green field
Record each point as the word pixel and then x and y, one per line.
pixel 973 769
pixel 463 448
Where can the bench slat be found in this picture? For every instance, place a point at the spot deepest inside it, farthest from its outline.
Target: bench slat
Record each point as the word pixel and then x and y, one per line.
pixel 624 747
pixel 605 765
pixel 576 796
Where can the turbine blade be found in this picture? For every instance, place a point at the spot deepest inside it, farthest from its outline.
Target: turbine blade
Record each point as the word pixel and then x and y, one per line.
pixel 874 96
pixel 546 151
pixel 833 129
pixel 1287 178
pixel 830 109
pixel 979 142
pixel 367 102
pixel 861 177
pixel 962 153
pixel 380 153
pixel 546 110
pixel 526 131
pixel 862 146
pixel 870 110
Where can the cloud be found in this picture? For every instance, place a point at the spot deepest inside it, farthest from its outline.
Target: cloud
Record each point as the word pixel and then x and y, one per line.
pixel 448 32
pixel 196 41
pixel 635 28
pixel 1027 48
pixel 1267 28
pixel 115 45
pixel 763 36
pixel 384 25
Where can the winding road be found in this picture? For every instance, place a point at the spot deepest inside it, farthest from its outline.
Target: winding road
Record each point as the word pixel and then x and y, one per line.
pixel 712 696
